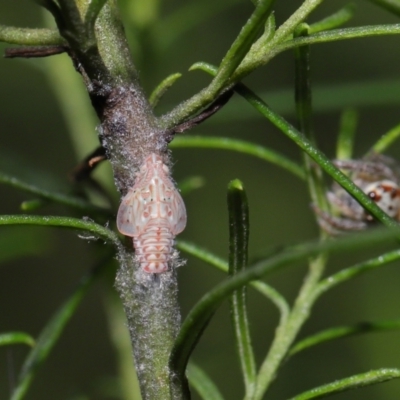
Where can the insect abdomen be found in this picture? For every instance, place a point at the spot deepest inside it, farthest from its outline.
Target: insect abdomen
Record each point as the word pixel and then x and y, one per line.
pixel 154 247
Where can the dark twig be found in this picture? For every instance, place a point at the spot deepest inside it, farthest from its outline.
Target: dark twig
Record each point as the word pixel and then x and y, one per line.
pixel 34 51
pixel 81 173
pixel 83 170
pixel 198 119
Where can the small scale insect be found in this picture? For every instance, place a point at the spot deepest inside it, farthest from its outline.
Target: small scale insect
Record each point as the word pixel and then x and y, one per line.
pixel 152 213
pixel 378 176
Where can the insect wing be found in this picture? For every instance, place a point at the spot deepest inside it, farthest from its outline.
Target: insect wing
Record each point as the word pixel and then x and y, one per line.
pixel 125 216
pixel 132 212
pixel 178 217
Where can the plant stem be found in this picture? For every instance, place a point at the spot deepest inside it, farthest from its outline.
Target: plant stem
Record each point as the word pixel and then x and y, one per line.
pixel 266 290
pixel 70 201
pixel 347 131
pixel 262 52
pixel 62 222
pixel 303 98
pixel 30 37
pixel 341 34
pixel 150 305
pixel 321 159
pixel 288 331
pixel 238 261
pixel 129 132
pixel 339 332
pixel 202 383
pixel 350 383
pixel 197 319
pixel 386 140
pixel 241 146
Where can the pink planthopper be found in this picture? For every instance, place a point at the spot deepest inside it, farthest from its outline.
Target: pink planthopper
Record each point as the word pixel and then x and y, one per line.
pixel 152 213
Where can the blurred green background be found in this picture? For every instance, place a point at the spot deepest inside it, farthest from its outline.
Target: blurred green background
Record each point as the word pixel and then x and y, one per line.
pixel 37 145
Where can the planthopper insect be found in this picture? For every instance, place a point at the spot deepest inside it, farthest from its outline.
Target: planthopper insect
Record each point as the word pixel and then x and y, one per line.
pixel 152 213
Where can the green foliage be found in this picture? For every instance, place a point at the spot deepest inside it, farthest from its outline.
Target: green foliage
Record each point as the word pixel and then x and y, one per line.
pixel 52 331
pixel 9 338
pixel 90 29
pixel 202 383
pixel 347 131
pixel 352 382
pixel 240 146
pixel 69 201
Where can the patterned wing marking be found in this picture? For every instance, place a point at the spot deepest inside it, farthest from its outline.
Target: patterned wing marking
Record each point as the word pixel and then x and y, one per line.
pixel 178 215
pixel 134 212
pixel 172 206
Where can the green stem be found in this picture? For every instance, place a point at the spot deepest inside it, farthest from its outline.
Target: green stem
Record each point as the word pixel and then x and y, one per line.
pixel 162 88
pixel 288 27
pixel 242 44
pixel 238 259
pixel 241 146
pixel 303 98
pixel 62 222
pixel 261 55
pixel 320 158
pixel 66 200
pixel 386 140
pixel 340 34
pixel 347 131
pixel 198 318
pixel 230 62
pixel 308 148
pixel 30 37
pixel 340 332
pixel 358 269
pixel 350 383
pixel 217 262
pixel 202 383
pixel 263 52
pixel 288 331
pixel 10 338
pixel 335 20
pixel 92 12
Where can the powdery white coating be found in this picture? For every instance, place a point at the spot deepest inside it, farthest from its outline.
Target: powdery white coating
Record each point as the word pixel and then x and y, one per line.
pixel 153 213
